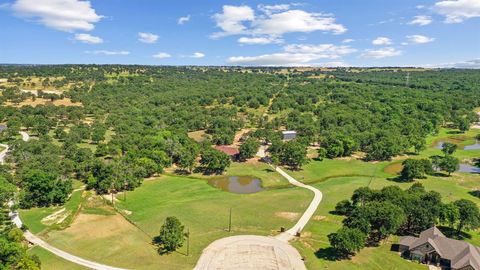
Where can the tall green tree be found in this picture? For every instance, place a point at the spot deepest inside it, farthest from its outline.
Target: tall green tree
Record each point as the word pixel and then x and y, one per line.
pixel 172 235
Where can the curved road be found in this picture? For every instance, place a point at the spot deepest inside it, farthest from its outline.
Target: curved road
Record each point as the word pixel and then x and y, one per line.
pixel 39 242
pixel 260 252
pixel 292 232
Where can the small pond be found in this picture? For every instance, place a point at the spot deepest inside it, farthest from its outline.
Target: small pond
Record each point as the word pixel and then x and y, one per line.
pixel 467 168
pixel 237 184
pixel 475 146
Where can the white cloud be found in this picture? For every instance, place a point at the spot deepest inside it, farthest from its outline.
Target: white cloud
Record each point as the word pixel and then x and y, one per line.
pixel 259 40
pixel 161 55
pixel 197 55
pixel 421 20
pixel 64 15
pixel 87 38
pixel 382 41
pixel 327 50
pixel 183 20
pixel 232 18
pixel 381 53
pixel 457 11
pixel 348 40
pixel 104 52
pixel 269 9
pixel 419 39
pixel 274 21
pixel 147 37
pixel 295 55
pixel 296 21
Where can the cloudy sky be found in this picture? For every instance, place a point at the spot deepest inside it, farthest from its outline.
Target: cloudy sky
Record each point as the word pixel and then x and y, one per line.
pixel 251 33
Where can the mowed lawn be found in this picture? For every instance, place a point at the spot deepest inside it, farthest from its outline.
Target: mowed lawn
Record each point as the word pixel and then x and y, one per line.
pixel 51 261
pixel 111 239
pixel 314 242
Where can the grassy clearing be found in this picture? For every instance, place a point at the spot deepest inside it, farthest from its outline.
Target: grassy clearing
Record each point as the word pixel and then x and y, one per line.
pixel 32 218
pixel 50 261
pixel 111 239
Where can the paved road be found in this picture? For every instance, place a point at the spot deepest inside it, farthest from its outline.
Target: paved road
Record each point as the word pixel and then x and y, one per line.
pixel 39 242
pixel 290 234
pixel 251 252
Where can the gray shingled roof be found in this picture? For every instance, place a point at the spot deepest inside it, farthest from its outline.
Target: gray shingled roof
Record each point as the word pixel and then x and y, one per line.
pixel 460 254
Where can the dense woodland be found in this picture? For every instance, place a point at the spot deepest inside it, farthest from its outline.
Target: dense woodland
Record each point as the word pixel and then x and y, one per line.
pixel 132 122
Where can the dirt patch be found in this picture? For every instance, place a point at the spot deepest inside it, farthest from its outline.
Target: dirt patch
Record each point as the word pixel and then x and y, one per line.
pixel 97 226
pixel 239 135
pixel 40 101
pixel 56 217
pixel 319 218
pixel 197 136
pixel 292 216
pixel 393 168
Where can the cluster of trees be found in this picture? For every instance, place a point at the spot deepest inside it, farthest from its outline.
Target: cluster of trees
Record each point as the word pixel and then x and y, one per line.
pixel 292 153
pixel 344 113
pixel 13 247
pixel 419 168
pixel 373 215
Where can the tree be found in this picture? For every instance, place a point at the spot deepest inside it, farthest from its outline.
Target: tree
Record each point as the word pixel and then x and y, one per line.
pixel 214 161
pixel 347 241
pixel 468 215
pixel 171 237
pixel 362 195
pixel 462 124
pixel 43 189
pixel 449 148
pixel 449 164
pixel 248 149
pixel 343 207
pixel 419 144
pixel 415 168
pixel 293 154
pixel 449 214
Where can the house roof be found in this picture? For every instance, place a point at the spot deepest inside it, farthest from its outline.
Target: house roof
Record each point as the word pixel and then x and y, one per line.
pixel 287 132
pixel 231 151
pixel 460 254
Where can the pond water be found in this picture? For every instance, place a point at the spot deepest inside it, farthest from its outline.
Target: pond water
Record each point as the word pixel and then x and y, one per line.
pixel 467 168
pixel 237 184
pixel 475 146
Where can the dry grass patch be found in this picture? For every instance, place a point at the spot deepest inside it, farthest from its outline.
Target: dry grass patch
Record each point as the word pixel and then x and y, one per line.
pixel 292 216
pixel 40 101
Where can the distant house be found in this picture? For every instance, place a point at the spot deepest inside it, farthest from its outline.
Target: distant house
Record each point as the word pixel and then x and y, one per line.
pixel 3 128
pixel 229 150
pixel 289 135
pixel 433 247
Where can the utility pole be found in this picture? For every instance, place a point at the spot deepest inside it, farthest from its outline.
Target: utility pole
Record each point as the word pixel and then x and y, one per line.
pixel 188 242
pixel 407 84
pixel 230 221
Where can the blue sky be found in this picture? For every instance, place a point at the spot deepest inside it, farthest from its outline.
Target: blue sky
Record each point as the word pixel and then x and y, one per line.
pixel 191 32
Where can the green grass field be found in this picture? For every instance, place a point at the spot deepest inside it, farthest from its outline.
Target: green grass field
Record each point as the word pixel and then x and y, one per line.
pixel 51 261
pixel 99 234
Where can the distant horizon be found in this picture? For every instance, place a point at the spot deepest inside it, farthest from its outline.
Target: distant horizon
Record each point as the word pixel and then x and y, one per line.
pixel 232 66
pixel 373 33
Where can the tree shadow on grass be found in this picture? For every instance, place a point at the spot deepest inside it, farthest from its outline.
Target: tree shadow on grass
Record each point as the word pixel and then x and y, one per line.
pixel 329 254
pixel 455 132
pixel 475 193
pixel 399 179
pixel 452 233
